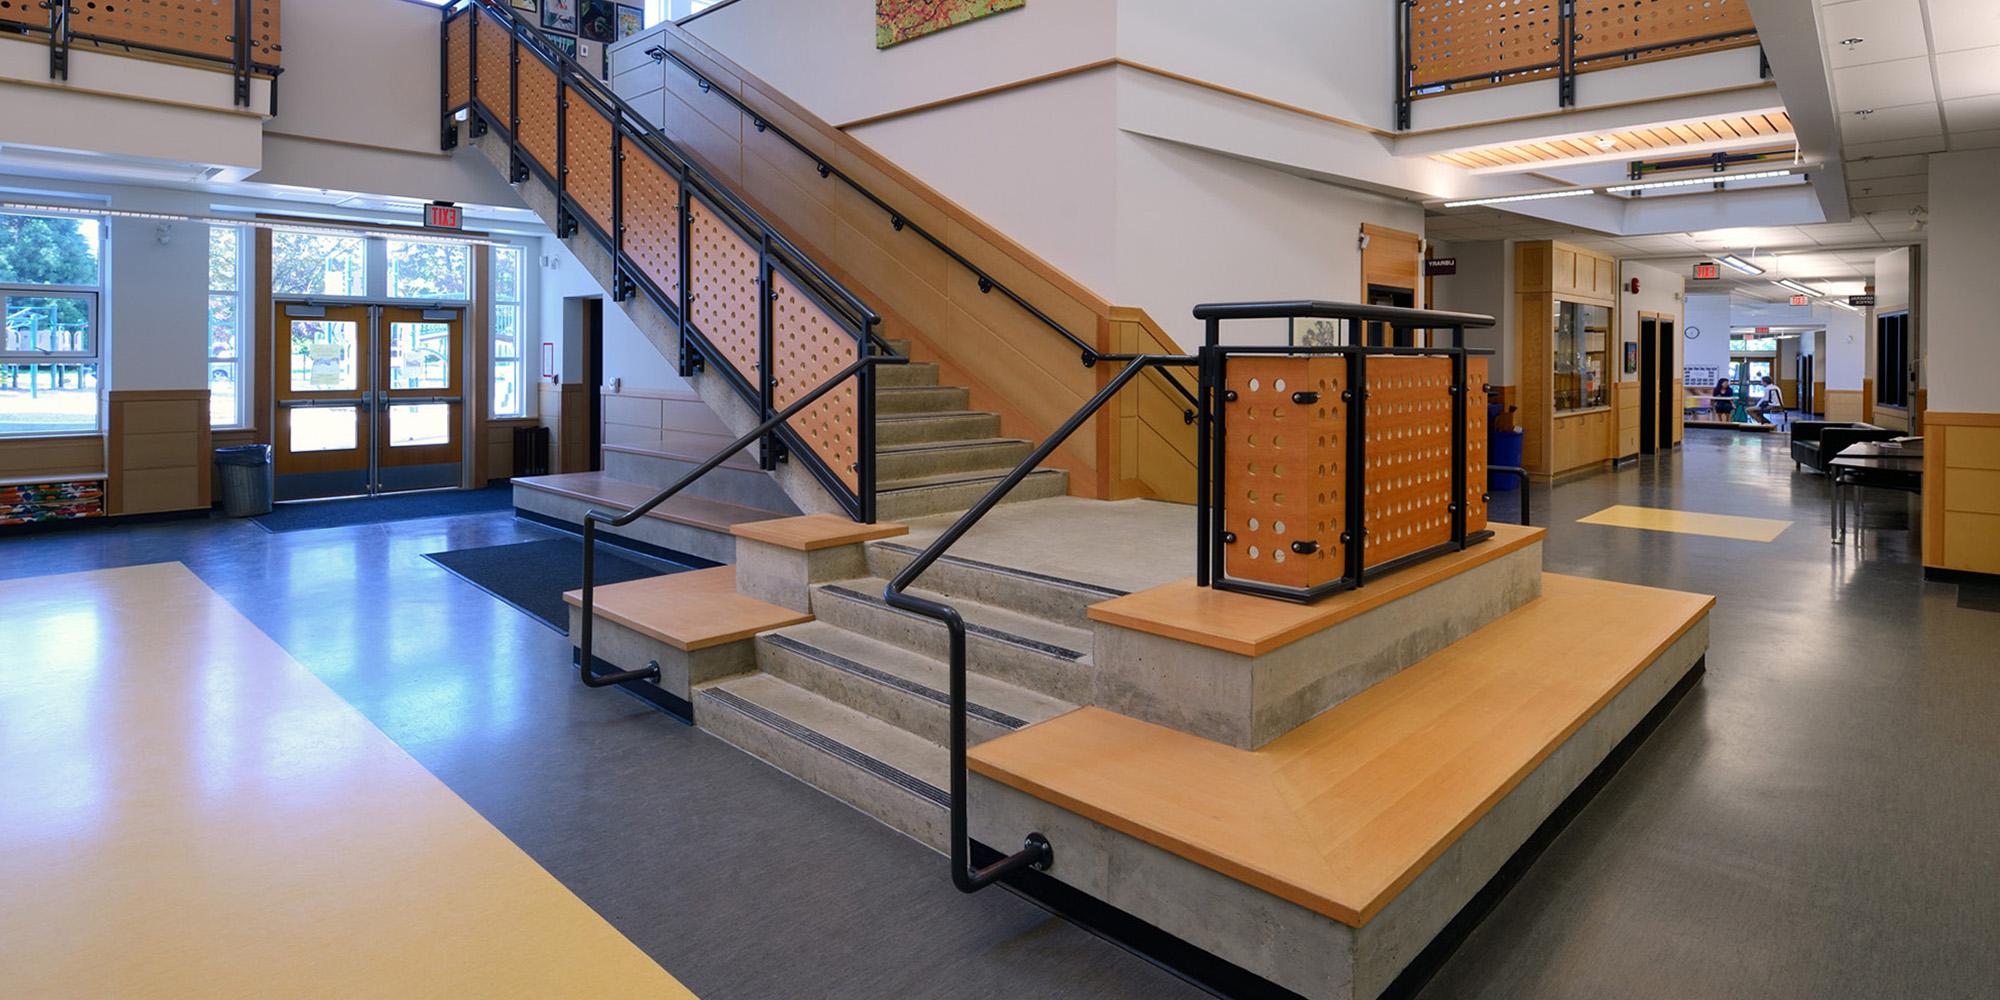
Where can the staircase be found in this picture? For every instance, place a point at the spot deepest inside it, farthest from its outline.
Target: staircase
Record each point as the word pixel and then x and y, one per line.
pixel 854 703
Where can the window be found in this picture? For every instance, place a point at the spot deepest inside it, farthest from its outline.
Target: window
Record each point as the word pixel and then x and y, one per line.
pixel 1754 345
pixel 1581 333
pixel 50 277
pixel 510 367
pixel 434 272
pixel 318 264
pixel 1892 359
pixel 228 400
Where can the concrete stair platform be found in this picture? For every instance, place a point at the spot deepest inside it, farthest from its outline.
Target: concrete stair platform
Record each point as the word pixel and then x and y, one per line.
pixel 932 458
pixel 697 526
pixel 657 465
pixel 939 426
pixel 954 578
pixel 1043 656
pixel 915 374
pixel 924 496
pixel 892 400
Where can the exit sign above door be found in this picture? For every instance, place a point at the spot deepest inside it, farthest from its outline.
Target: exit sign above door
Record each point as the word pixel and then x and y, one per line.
pixel 1708 271
pixel 443 215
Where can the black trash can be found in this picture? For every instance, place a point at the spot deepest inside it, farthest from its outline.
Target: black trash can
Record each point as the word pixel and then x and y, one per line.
pixel 246 479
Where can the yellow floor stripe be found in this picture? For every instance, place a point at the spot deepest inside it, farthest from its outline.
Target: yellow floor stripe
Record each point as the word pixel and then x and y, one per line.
pixel 1742 529
pixel 185 811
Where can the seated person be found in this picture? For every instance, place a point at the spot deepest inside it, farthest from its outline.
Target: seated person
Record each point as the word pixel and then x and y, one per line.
pixel 1773 401
pixel 1720 400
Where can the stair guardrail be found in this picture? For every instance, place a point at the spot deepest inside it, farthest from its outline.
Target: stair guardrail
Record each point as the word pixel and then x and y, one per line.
pixel 204 36
pixel 764 313
pixel 988 284
pixel 1036 852
pixel 595 517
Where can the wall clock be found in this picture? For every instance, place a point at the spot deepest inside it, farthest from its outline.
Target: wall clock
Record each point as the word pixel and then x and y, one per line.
pixel 1693 332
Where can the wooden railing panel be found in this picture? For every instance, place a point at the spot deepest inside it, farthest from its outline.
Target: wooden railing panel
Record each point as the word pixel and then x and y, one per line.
pixel 29 12
pixel 652 220
pixel 589 150
pixel 458 61
pixel 266 38
pixel 495 82
pixel 1476 375
pixel 538 88
pixel 1408 452
pixel 1616 25
pixel 1453 39
pixel 809 347
pixel 198 27
pixel 723 289
pixel 1281 476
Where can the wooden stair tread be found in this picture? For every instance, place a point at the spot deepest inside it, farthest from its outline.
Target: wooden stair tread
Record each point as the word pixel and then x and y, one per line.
pixel 1341 814
pixel 596 487
pixel 684 447
pixel 1252 626
pixel 812 532
pixel 688 611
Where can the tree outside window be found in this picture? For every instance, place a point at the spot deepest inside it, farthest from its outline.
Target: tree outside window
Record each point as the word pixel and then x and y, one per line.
pixel 318 264
pixel 50 270
pixel 430 271
pixel 510 369
pixel 226 347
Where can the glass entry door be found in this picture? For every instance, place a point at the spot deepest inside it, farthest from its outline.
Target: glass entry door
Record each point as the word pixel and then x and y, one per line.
pixel 368 400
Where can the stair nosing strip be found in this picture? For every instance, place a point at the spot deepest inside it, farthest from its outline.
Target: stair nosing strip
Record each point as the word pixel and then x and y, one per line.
pixel 887 418
pixel 997 475
pixel 1025 574
pixel 922 447
pixel 831 747
pixel 1032 645
pixel 904 684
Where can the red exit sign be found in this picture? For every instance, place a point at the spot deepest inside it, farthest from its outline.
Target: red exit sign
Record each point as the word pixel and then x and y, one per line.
pixel 1798 300
pixel 1708 271
pixel 444 215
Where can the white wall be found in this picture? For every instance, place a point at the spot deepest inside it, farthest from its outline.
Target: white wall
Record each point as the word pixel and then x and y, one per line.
pixel 1484 284
pixel 1841 358
pixel 1333 59
pixel 1660 291
pixel 628 355
pixel 156 323
pixel 1961 349
pixel 1708 314
pixel 361 71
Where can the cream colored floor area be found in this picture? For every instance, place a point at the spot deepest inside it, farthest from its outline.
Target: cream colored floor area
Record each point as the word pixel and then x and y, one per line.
pixel 185 811
pixel 1742 529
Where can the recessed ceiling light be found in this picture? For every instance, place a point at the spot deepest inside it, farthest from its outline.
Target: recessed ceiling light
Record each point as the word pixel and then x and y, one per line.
pixel 1607 143
pixel 1851 42
pixel 1505 199
pixel 1864 112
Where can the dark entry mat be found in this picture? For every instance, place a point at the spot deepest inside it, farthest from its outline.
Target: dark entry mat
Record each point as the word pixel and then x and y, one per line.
pixel 532 576
pixel 1979 595
pixel 313 515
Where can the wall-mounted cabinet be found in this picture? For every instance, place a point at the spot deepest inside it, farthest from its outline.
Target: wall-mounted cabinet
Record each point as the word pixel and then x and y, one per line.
pixel 1566 300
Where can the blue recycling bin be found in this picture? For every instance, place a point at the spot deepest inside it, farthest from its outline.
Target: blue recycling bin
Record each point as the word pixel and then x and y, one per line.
pixel 1503 449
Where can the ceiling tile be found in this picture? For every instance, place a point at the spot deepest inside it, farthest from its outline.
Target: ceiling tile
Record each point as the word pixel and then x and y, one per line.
pixel 1884 84
pixel 1910 121
pixel 1964 24
pixel 1976 140
pixel 1969 73
pixel 1968 114
pixel 1889 29
pixel 1887 166
pixel 1895 203
pixel 1889 185
pixel 1896 147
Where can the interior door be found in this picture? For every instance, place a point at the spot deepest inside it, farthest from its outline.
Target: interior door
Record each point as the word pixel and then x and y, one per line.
pixel 324 356
pixel 1664 372
pixel 420 396
pixel 1649 408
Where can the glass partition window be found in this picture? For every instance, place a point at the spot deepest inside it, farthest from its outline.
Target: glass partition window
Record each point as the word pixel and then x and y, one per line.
pixel 510 368
pixel 324 356
pixel 1581 334
pixel 50 340
pixel 433 272
pixel 318 264
pixel 227 347
pixel 420 356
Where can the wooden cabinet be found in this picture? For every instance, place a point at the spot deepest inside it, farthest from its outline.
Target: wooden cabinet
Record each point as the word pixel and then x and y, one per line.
pixel 1547 273
pixel 1582 439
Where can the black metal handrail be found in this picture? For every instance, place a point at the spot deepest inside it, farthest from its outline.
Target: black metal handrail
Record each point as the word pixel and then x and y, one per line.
pixel 1036 852
pixel 594 517
pixel 777 255
pixel 241 64
pixel 901 222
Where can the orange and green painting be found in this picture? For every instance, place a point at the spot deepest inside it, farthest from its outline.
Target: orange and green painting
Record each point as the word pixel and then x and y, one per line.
pixel 899 21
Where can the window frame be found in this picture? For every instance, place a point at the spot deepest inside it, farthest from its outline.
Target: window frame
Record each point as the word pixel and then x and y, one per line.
pixel 525 401
pixel 246 339
pixel 94 294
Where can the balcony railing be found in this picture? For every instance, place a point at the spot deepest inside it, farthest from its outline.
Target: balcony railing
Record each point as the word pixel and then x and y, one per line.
pixel 239 37
pixel 1455 45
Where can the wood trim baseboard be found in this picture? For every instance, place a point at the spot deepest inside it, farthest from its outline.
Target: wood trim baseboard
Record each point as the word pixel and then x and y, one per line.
pixel 1961 418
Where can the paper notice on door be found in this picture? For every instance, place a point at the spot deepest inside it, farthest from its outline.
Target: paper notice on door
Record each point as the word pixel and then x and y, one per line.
pixel 327 370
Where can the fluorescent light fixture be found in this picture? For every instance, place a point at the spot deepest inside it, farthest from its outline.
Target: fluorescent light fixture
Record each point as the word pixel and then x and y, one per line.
pixel 1697 181
pixel 1796 287
pixel 410 234
pixel 1505 199
pixel 1740 264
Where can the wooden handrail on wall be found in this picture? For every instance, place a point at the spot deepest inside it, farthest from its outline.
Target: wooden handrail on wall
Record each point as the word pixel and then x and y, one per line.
pixel 1011 361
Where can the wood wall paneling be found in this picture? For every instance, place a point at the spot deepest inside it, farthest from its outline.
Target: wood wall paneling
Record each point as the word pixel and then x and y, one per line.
pixel 1545 272
pixel 159 451
pixel 53 457
pixel 565 411
pixel 1962 492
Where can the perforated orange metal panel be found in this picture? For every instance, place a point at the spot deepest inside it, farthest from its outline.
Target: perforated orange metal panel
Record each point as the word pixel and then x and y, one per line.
pixel 495 80
pixel 199 27
pixel 265 41
pixel 652 221
pixel 1282 477
pixel 1454 39
pixel 723 288
pixel 808 348
pixel 1475 444
pixel 24 12
pixel 538 110
pixel 1409 456
pixel 458 62
pixel 589 152
pixel 1616 25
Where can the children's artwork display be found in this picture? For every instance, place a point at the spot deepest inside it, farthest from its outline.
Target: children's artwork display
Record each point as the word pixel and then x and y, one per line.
pixel 597 20
pixel 560 15
pixel 898 21
pixel 631 21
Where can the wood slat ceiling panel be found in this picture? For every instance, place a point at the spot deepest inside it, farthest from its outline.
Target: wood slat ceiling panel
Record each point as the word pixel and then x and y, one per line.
pixel 1660 137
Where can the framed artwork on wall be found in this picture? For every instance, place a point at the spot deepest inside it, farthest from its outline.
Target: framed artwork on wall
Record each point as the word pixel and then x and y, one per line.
pixel 559 15
pixel 898 21
pixel 631 21
pixel 1631 358
pixel 598 20
pixel 567 43
pixel 530 6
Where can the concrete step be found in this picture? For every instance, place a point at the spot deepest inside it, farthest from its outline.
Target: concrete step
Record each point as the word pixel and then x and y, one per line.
pixel 890 774
pixel 684 525
pixel 904 688
pixel 902 347
pixel 1042 656
pixel 935 427
pixel 936 458
pixel 916 373
pixel 733 483
pixel 904 499
pixel 1035 594
pixel 890 401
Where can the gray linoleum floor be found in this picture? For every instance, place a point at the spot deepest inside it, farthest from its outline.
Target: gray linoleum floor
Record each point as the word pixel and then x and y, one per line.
pixel 1817 819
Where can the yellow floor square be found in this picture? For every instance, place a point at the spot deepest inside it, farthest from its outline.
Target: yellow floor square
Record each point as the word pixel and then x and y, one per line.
pixel 1742 529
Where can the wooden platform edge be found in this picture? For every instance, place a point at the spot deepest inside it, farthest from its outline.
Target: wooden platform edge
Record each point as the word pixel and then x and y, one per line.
pixel 813 532
pixel 1181 601
pixel 733 617
pixel 1319 903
